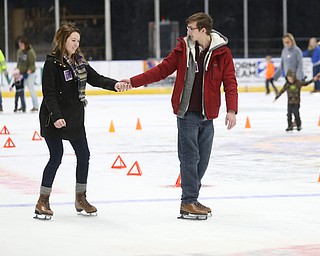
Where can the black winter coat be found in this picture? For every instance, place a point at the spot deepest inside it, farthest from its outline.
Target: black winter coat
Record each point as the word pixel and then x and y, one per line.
pixel 61 99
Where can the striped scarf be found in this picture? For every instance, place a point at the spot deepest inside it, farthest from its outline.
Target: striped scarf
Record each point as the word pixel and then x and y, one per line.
pixel 80 72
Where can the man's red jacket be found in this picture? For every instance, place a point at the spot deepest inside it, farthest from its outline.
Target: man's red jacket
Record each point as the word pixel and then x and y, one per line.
pixel 218 68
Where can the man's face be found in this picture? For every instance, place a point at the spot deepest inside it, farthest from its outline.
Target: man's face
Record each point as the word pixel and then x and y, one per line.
pixel 193 31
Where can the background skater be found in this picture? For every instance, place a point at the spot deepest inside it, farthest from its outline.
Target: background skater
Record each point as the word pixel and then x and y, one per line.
pixel 293 89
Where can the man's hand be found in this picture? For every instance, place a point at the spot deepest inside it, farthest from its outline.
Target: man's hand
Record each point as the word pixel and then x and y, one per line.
pixel 230 121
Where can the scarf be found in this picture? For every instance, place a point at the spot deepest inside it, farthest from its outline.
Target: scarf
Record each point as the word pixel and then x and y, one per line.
pixel 80 72
pixel 188 85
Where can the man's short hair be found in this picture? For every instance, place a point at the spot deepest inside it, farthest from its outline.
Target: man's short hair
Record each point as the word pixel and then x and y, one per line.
pixel 203 21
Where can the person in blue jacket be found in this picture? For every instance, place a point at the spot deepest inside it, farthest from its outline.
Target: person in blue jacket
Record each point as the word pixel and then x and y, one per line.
pixel 313 52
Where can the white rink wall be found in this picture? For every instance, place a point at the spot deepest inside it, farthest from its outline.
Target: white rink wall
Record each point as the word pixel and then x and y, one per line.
pixel 250 72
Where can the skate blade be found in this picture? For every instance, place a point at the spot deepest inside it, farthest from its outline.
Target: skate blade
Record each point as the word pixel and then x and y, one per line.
pixel 42 217
pixel 192 217
pixel 87 214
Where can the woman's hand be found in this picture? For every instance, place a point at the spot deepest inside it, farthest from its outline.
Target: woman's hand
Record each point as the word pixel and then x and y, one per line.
pixel 60 123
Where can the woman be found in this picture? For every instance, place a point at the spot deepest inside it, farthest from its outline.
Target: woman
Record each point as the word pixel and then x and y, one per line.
pixel 26 63
pixel 65 75
pixel 291 58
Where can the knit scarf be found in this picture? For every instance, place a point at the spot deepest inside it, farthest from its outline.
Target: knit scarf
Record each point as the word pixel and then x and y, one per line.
pixel 188 85
pixel 79 70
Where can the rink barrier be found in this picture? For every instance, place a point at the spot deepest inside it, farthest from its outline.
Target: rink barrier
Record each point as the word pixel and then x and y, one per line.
pixel 155 90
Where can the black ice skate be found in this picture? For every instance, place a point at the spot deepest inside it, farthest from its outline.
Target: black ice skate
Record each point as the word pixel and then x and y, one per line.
pixel 82 204
pixel 194 211
pixel 289 129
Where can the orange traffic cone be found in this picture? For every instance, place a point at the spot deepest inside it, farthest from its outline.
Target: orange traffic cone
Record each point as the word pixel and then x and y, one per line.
pixel 111 129
pixel 319 178
pixel 319 122
pixel 247 123
pixel 138 126
pixel 138 173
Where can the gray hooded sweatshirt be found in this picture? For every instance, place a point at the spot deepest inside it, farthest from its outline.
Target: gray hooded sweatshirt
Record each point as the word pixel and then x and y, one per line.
pixel 291 58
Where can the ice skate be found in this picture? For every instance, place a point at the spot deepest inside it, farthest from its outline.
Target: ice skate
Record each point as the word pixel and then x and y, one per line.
pixel 82 204
pixel 193 211
pixel 43 211
pixel 208 209
pixel 289 128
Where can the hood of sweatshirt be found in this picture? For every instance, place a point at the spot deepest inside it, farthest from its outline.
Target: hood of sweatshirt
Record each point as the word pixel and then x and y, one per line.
pixel 217 40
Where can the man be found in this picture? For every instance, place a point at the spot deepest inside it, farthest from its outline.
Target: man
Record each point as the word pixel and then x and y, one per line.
pixel 202 61
pixel 3 68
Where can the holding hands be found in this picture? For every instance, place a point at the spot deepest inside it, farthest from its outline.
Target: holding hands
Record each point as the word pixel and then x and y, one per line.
pixel 122 86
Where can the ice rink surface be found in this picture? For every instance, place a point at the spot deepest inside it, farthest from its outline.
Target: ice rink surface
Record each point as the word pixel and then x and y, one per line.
pixel 262 183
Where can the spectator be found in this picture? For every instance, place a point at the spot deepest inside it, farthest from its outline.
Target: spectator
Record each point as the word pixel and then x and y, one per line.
pixel 26 63
pixel 313 52
pixel 293 89
pixel 269 74
pixel 291 58
pixel 18 83
pixel 3 69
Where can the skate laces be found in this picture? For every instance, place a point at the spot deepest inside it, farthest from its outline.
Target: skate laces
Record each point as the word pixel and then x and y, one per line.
pixel 45 202
pixel 201 206
pixel 84 202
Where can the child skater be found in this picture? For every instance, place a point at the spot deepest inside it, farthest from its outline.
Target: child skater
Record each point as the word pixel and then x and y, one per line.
pixel 293 88
pixel 18 82
pixel 269 74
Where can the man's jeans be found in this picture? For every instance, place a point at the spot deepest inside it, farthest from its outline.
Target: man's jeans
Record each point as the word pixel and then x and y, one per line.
pixel 195 138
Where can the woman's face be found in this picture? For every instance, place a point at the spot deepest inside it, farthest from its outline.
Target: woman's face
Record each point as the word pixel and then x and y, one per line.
pixel 72 43
pixel 21 45
pixel 287 42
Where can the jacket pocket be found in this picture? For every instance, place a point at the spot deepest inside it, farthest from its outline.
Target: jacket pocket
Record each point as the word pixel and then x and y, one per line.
pixel 216 73
pixel 48 120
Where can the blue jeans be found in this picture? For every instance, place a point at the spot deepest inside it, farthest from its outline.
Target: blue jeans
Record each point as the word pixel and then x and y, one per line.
pixel 195 138
pixel 316 70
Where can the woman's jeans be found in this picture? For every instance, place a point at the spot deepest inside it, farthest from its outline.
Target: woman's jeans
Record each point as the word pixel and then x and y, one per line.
pixel 195 138
pixel 30 82
pixel 55 146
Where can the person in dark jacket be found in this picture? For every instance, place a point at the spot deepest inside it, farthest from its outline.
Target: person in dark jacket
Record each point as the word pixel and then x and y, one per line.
pixel 202 61
pixel 18 83
pixel 65 75
pixel 293 89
